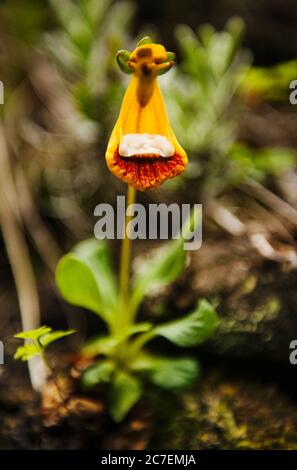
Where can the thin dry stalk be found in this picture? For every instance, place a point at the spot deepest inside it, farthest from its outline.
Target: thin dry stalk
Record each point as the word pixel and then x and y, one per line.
pixel 283 208
pixel 19 257
pixel 45 243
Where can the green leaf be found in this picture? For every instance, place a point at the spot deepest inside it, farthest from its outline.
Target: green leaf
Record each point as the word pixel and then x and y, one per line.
pixel 236 28
pixel 174 373
pixel 27 351
pixel 34 334
pixel 192 222
pixel 122 60
pixel 49 338
pixel 145 40
pixel 40 338
pixel 106 344
pixel 206 32
pixel 96 254
pixel 126 391
pixel 85 278
pixel 193 329
pixel 138 328
pixel 97 373
pixel 99 345
pixel 95 11
pixel 159 272
pixel 77 284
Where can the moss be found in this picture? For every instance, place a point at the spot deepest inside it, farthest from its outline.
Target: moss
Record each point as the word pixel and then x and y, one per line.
pixel 228 414
pixel 249 284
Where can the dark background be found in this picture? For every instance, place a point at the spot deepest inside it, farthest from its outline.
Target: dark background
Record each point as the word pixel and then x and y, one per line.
pixel 271 24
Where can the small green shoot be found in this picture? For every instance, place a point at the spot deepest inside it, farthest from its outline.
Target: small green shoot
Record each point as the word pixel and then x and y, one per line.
pixel 36 341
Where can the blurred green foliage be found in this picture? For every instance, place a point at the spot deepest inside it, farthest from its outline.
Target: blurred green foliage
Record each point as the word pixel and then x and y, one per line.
pixel 200 95
pixel 24 21
pixel 84 49
pixel 206 96
pixel 62 93
pixel 270 83
pixel 200 91
pixel 258 163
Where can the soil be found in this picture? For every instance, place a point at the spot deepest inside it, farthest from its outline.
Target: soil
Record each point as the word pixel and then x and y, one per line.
pixel 224 411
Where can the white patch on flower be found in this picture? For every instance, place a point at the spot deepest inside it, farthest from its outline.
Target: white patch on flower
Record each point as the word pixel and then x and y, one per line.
pixel 145 144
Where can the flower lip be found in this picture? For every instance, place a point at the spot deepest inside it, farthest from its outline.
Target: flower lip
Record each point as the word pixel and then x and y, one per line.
pixel 146 146
pixel 146 173
pixel 144 158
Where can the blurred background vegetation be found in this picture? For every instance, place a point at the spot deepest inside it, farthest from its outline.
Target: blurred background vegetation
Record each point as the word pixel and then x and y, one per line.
pixel 228 101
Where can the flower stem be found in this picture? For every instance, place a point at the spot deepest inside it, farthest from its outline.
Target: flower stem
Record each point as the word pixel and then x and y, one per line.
pixel 125 261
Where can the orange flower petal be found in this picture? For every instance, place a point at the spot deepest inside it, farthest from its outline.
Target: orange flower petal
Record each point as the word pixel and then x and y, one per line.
pixel 143 112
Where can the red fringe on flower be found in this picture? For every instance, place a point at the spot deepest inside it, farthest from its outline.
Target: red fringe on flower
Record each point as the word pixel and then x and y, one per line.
pixel 146 172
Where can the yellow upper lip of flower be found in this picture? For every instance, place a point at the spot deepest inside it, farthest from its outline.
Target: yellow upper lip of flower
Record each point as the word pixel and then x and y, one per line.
pixel 149 59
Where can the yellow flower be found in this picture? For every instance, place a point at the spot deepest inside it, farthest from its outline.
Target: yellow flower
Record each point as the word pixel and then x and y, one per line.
pixel 143 150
